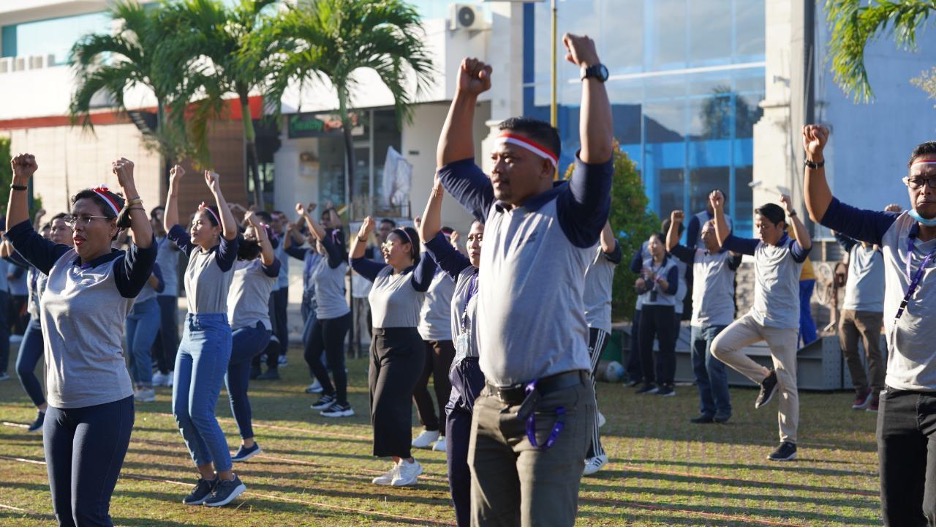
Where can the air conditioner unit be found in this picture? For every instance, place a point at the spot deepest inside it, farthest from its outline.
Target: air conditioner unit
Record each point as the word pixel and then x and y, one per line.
pixel 466 16
pixel 6 64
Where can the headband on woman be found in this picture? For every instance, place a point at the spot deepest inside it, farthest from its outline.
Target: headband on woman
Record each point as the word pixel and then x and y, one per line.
pixel 105 193
pixel 204 207
pixel 528 144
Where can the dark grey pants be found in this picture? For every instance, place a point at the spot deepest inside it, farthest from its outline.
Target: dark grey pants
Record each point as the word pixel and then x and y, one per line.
pixel 397 359
pixel 516 484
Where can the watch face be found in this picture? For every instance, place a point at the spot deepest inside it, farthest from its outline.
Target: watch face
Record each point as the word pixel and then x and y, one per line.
pixel 597 71
pixel 602 72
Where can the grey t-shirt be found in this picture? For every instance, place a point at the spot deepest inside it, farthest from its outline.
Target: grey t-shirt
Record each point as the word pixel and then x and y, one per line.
pixel 713 276
pixel 864 288
pixel 330 290
pixel 394 302
pixel 776 275
pixel 208 274
pixel 435 315
pixel 248 298
pixel 167 257
pixel 599 276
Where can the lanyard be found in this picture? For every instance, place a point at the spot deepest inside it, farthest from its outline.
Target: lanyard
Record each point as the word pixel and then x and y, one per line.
pixel 472 290
pixel 531 423
pixel 916 278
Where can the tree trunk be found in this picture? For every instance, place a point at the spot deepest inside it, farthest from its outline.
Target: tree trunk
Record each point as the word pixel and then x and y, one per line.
pixel 250 146
pixel 346 126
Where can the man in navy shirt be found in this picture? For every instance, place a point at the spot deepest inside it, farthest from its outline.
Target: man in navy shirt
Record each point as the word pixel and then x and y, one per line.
pixel 907 414
pixel 531 423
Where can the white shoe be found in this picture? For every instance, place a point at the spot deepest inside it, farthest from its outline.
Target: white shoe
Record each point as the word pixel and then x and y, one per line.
pixel 144 395
pixel 407 473
pixel 601 420
pixel 592 465
pixel 160 379
pixel 439 445
pixel 314 388
pixel 387 478
pixel 169 378
pixel 425 439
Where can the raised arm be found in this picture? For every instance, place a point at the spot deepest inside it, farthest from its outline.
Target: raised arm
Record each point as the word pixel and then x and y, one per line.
pixel 818 196
pixel 717 199
pixel 228 223
pixel 24 166
pixel 474 78
pixel 595 131
pixel 314 227
pixel 171 213
pixel 672 236
pixel 140 227
pixel 800 231
pixel 267 257
pixel 360 241
pixel 432 215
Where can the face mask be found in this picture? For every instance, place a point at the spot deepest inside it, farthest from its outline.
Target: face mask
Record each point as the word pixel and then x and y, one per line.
pixel 928 222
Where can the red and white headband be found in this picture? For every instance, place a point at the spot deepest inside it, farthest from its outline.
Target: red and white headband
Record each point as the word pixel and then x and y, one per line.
pixel 105 193
pixel 528 144
pixel 924 161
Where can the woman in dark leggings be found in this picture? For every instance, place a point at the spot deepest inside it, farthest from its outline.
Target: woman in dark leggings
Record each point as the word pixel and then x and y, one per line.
pixel 87 298
pixel 332 316
pixel 397 354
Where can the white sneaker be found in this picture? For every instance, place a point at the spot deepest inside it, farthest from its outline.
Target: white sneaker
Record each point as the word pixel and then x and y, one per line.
pixel 601 420
pixel 425 439
pixel 407 473
pixel 169 378
pixel 144 395
pixel 439 445
pixel 592 465
pixel 160 379
pixel 314 388
pixel 387 478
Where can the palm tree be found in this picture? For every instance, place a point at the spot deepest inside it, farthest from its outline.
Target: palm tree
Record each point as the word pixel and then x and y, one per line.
pixel 140 53
pixel 856 22
pixel 219 38
pixel 330 40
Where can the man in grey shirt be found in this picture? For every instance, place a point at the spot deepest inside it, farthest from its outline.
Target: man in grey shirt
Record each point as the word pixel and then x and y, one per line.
pixel 531 423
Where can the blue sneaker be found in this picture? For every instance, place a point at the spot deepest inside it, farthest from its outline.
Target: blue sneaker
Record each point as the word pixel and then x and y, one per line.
pixel 225 491
pixel 246 453
pixel 201 492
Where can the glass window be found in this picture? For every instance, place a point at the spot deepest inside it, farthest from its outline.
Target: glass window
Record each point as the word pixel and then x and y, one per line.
pixel 669 27
pixel 703 181
pixel 709 32
pixel 53 36
pixel 331 170
pixel 749 28
pixel 672 190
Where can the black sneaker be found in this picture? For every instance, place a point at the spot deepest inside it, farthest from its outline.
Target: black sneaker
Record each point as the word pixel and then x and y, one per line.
pixel 647 388
pixel 338 410
pixel 37 425
pixel 201 492
pixel 786 451
pixel 324 402
pixel 767 389
pixel 666 390
pixel 246 453
pixel 721 418
pixel 225 491
pixel 272 373
pixel 702 419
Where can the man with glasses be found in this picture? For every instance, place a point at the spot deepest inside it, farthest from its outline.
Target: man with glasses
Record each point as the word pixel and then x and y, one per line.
pixel 906 425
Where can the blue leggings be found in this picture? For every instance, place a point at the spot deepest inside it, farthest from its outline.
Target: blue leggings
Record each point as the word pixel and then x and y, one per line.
pixel 84 451
pixel 201 364
pixel 30 352
pixel 247 342
pixel 142 328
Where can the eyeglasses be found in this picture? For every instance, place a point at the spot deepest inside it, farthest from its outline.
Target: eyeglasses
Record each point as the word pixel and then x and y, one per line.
pixel 84 220
pixel 917 182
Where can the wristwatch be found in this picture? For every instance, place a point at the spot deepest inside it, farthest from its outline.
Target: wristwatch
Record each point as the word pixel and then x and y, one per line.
pixel 596 71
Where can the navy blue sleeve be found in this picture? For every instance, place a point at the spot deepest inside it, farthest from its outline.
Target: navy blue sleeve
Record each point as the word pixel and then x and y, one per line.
pixel 38 251
pixel 424 272
pixel 227 253
pixel 160 283
pixel 734 261
pixel 583 205
pixel 296 252
pixel 692 232
pixel 799 252
pixel 182 240
pixel 744 246
pixel 636 263
pixel 683 253
pixel 133 269
pixel 17 260
pixel 672 281
pixel 335 254
pixel 469 185
pixel 448 258
pixel 273 269
pixel 860 224
pixel 616 255
pixel 367 268
pixel 845 241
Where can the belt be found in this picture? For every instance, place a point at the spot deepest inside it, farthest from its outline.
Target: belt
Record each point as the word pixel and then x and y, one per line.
pixel 514 394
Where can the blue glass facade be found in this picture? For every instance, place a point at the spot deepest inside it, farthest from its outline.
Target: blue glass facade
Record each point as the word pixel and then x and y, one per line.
pixel 50 36
pixel 686 80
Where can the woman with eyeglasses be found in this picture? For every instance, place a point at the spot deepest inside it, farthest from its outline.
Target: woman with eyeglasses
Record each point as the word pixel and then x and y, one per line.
pixel 397 353
pixel 31 347
pixel 332 319
pixel 205 350
pixel 89 293
pixel 465 374
pixel 255 275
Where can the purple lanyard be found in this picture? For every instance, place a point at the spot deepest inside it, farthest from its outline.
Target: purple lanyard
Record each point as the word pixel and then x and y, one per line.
pixel 531 423
pixel 472 290
pixel 916 278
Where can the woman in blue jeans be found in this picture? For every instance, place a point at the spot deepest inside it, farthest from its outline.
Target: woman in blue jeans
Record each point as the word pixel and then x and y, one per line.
pixel 32 345
pixel 88 295
pixel 255 275
pixel 142 327
pixel 205 350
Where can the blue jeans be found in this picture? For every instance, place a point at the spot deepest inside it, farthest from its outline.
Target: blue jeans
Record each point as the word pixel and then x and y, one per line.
pixel 200 366
pixel 246 343
pixel 84 451
pixel 168 342
pixel 142 327
pixel 710 373
pixel 31 349
pixel 807 327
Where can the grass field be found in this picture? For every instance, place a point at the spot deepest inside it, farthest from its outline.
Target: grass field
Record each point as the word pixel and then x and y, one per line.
pixel 316 471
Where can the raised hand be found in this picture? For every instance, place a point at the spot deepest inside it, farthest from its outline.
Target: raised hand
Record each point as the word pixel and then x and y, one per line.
pixel 580 49
pixel 786 202
pixel 893 208
pixel 251 218
pixel 213 180
pixel 24 166
pixel 123 168
pixel 474 76
pixel 815 138
pixel 417 221
pixel 176 172
pixel 367 227
pixel 677 217
pixel 717 199
pixel 300 209
pixel 454 237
